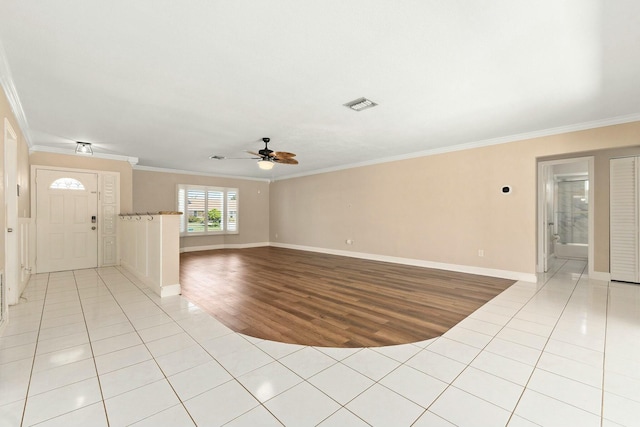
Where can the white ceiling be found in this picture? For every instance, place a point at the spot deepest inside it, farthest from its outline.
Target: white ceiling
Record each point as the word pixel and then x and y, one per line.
pixel 174 82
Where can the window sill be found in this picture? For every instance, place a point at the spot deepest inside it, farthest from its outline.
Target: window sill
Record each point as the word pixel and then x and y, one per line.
pixel 210 233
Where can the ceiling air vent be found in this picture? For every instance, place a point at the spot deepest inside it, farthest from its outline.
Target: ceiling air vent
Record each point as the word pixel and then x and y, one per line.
pixel 360 104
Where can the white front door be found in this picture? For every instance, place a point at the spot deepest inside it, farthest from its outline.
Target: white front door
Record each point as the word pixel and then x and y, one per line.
pixel 66 222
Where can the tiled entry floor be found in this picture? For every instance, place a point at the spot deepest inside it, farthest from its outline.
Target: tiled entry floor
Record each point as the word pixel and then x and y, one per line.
pixel 93 348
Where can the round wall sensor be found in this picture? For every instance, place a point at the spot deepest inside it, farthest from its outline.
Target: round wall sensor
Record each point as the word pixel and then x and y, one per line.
pixel 506 189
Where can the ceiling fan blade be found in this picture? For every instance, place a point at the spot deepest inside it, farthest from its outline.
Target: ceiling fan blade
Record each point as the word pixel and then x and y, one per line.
pixel 286 161
pixel 284 155
pixel 253 152
pixel 234 158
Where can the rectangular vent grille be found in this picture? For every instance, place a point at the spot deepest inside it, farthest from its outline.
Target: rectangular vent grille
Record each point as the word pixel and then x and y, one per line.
pixel 360 104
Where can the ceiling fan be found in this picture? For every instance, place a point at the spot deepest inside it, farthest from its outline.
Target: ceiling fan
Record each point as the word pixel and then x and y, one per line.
pixel 266 157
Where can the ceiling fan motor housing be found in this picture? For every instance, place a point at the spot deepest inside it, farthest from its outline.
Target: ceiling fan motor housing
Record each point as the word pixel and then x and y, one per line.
pixel 265 151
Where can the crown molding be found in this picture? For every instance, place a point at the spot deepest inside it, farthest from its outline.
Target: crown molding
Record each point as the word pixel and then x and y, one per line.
pixel 185 172
pixel 477 144
pixel 43 148
pixel 6 81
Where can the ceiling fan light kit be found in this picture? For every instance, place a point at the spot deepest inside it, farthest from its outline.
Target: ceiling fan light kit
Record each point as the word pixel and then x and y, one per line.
pixel 265 164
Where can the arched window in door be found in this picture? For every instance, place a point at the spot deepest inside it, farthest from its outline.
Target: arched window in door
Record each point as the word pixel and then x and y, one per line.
pixel 66 184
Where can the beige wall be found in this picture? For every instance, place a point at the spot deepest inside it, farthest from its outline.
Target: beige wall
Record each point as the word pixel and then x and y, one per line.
pixel 440 208
pixel 24 209
pixel 156 191
pixel 92 163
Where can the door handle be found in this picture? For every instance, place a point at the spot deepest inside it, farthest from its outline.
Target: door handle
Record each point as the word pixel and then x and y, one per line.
pixel 9 230
pixel 93 228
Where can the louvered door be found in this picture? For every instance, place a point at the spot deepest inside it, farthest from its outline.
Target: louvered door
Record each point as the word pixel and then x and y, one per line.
pixel 624 221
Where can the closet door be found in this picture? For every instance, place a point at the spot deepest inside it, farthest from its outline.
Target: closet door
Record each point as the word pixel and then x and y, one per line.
pixel 624 254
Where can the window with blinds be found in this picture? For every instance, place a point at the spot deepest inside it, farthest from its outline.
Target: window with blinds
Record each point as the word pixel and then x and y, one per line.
pixel 207 210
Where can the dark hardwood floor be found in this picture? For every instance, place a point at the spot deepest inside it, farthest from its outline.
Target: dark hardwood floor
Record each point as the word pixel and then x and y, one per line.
pixel 331 301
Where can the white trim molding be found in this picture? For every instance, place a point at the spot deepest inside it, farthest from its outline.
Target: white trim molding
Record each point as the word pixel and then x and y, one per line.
pixel 504 274
pixel 477 144
pixel 43 148
pixel 6 81
pixel 224 246
pixel 185 172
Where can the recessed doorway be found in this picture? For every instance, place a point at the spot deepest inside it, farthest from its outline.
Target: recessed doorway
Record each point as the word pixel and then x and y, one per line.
pixel 565 211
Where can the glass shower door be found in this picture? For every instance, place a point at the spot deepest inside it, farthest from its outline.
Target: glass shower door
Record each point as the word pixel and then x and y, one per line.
pixel 572 218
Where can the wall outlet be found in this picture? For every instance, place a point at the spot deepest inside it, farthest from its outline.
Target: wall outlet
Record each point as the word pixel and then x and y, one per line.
pixel 276 235
pixel 349 241
pixel 480 252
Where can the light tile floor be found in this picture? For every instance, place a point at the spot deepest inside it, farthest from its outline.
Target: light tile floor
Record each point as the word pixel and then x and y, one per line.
pixel 96 348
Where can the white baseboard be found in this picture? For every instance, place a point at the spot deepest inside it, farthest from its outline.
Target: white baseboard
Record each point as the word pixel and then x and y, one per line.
pixel 505 274
pixel 200 248
pixel 170 290
pixel 600 275
pixel 223 246
pixel 160 290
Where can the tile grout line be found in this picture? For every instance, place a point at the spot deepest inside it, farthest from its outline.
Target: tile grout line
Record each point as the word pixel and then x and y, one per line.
pixel 604 353
pixel 93 356
pixel 35 351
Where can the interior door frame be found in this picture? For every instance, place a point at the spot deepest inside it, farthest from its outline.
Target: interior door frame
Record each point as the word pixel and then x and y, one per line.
pixel 9 277
pixel 101 174
pixel 10 206
pixel 542 240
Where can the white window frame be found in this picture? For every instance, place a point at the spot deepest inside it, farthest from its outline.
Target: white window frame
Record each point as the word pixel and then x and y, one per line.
pixel 182 206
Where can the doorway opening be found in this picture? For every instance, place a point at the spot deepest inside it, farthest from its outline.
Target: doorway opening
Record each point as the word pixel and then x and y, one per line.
pixel 565 211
